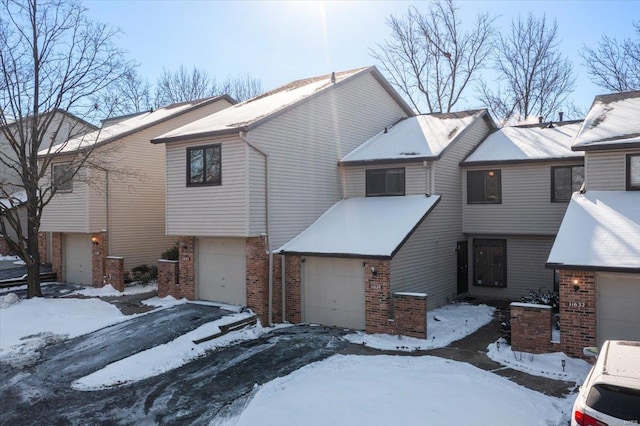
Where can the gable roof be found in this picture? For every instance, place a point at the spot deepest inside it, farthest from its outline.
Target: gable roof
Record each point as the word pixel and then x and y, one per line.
pixel 373 227
pixel 527 143
pixel 418 138
pixel 612 122
pixel 255 111
pixel 117 128
pixel 600 231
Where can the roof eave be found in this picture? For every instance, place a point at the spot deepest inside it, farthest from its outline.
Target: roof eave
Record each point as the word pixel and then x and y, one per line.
pixel 201 135
pixel 336 255
pixel 378 161
pixel 576 159
pixel 605 146
pixel 564 266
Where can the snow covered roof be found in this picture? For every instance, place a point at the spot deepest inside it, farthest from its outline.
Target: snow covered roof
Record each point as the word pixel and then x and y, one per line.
pixel 527 143
pixel 363 227
pixel 423 137
pixel 612 120
pixel 600 230
pixel 254 111
pixel 117 128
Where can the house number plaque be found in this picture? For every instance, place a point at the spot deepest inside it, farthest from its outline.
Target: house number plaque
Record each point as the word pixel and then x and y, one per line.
pixel 574 304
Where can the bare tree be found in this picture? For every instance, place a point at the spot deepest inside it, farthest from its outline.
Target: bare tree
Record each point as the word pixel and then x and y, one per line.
pixel 52 57
pixel 130 94
pixel 185 85
pixel 430 58
pixel 614 65
pixel 533 76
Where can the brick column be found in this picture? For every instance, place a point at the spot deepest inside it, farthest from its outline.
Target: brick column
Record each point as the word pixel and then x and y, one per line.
pixel 377 280
pixel 293 282
pixel 114 272
pixel 168 284
pixel 42 246
pixel 100 250
pixel 410 314
pixel 186 270
pixel 577 311
pixel 530 328
pixel 4 246
pixel 56 254
pixel 258 278
pixel 277 289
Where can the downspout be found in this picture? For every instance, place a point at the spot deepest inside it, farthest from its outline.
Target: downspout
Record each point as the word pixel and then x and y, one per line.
pixel 243 136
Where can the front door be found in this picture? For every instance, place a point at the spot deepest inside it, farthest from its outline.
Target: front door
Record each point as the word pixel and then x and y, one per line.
pixel 463 266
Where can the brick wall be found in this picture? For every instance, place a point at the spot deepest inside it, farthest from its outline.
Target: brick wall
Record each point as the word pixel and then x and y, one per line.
pixel 100 250
pixel 56 254
pixel 277 289
pixel 42 246
pixel 4 246
pixel 577 311
pixel 293 286
pixel 187 247
pixel 410 314
pixel 530 328
pixel 168 279
pixel 377 293
pixel 257 279
pixel 114 272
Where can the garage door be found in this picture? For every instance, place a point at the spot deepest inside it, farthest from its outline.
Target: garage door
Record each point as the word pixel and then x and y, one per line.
pixel 77 258
pixel 334 292
pixel 618 307
pixel 221 270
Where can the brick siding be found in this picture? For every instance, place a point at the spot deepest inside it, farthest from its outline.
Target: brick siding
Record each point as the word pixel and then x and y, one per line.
pixel 100 250
pixel 377 293
pixel 114 272
pixel 186 273
pixel 530 328
pixel 257 277
pixel 410 315
pixel 56 254
pixel 168 279
pixel 293 284
pixel 577 311
pixel 4 246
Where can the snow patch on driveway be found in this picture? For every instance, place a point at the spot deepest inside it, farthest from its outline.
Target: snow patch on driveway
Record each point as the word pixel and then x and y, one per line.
pixel 109 291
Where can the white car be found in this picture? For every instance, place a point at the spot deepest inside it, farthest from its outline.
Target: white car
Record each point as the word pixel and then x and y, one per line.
pixel 610 395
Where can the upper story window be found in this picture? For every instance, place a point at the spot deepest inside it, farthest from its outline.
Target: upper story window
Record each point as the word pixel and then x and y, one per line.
pixel 565 180
pixel 203 165
pixel 62 175
pixel 633 172
pixel 383 182
pixel 484 187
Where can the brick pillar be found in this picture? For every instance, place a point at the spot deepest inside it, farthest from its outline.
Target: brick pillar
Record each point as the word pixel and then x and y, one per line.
pixel 410 314
pixel 100 250
pixel 168 284
pixel 114 272
pixel 4 246
pixel 293 286
pixel 186 270
pixel 377 279
pixel 258 278
pixel 277 288
pixel 42 246
pixel 530 328
pixel 56 254
pixel 577 311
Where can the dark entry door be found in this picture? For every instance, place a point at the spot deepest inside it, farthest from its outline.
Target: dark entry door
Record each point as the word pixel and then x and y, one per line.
pixel 463 266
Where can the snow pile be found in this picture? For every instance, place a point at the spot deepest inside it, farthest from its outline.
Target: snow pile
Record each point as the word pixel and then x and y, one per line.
pixel 20 262
pixel 8 299
pixel 3 258
pixel 163 302
pixel 444 325
pixel 392 390
pixel 545 365
pixel 168 356
pixel 108 290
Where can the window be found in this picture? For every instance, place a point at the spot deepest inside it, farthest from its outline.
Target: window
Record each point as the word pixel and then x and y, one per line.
pixel 633 172
pixel 382 182
pixel 203 165
pixel 484 187
pixel 62 177
pixel 565 180
pixel 490 263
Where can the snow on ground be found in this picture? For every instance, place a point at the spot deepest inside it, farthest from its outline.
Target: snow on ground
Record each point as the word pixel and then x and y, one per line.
pixel 390 390
pixel 20 262
pixel 31 323
pixel 168 356
pixel 545 365
pixel 108 290
pixel 444 325
pixel 3 258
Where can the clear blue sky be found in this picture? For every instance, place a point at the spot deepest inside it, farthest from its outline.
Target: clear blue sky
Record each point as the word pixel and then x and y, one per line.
pixel 277 42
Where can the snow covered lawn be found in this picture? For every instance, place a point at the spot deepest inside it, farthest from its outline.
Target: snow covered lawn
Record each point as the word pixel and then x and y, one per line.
pixel 398 390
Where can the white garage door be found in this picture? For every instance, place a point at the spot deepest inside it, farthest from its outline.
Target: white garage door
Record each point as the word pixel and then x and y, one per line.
pixel 77 258
pixel 618 307
pixel 334 292
pixel 221 270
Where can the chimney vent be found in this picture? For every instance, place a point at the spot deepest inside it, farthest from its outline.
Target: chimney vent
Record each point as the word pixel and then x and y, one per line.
pixel 550 126
pixel 560 115
pixel 540 119
pixel 333 77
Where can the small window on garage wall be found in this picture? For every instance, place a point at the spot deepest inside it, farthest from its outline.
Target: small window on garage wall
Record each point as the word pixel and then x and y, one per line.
pixel 204 165
pixel 62 175
pixel 385 182
pixel 490 263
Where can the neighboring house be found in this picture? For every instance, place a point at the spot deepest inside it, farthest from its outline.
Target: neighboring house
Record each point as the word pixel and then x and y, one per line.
pixel 115 204
pixel 63 125
pixel 243 182
pixel 597 250
pixel 516 187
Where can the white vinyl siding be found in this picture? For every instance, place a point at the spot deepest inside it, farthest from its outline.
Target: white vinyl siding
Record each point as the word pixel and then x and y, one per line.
pixel 354 178
pixel 257 194
pixel 305 144
pixel 606 170
pixel 68 211
pixel 526 206
pixel 427 262
pixel 97 201
pixel 526 258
